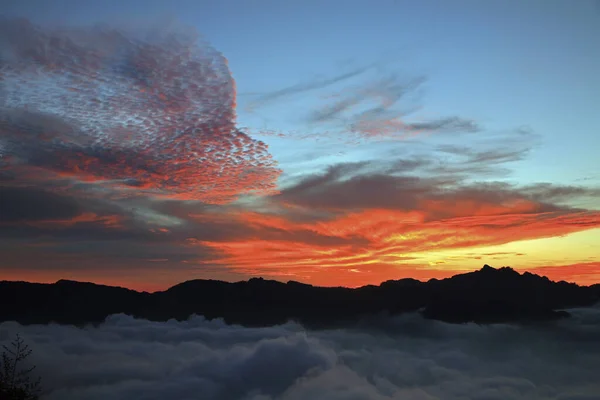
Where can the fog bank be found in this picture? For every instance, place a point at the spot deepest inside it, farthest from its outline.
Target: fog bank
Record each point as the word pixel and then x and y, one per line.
pixel 404 358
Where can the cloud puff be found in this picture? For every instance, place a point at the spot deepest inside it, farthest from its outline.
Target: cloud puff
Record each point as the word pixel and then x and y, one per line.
pixel 404 358
pixel 152 110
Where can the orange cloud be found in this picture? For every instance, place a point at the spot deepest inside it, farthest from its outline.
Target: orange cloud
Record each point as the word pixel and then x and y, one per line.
pixel 372 226
pixel 388 242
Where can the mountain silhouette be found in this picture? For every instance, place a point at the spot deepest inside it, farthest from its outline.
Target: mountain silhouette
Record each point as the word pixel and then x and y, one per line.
pixel 488 295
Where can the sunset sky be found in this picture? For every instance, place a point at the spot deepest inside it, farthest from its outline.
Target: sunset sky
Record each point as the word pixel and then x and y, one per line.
pixel 147 142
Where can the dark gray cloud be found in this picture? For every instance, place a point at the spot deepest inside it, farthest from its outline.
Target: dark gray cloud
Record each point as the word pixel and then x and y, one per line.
pixel 358 192
pixel 22 204
pixel 413 184
pixel 551 192
pixel 397 358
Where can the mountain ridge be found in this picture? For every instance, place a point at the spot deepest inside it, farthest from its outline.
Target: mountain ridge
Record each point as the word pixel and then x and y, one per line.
pixel 488 295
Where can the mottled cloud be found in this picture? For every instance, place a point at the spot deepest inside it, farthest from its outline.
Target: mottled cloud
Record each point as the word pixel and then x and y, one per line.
pixel 151 110
pixel 404 357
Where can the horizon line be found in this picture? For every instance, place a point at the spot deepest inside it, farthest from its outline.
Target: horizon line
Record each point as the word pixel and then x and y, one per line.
pixel 484 267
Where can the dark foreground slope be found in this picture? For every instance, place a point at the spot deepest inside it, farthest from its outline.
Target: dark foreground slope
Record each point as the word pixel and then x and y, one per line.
pixel 484 296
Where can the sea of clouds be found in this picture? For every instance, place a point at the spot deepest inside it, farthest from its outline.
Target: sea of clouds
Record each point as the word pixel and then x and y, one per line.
pixel 404 357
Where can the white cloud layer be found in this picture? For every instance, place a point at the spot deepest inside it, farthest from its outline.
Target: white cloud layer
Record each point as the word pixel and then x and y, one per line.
pixel 404 358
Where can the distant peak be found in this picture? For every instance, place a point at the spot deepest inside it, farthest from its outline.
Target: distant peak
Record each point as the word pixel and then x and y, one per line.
pixel 67 282
pixel 488 270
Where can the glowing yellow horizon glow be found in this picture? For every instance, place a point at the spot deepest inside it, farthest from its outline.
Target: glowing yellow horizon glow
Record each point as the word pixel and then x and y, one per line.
pixel 522 255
